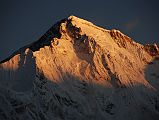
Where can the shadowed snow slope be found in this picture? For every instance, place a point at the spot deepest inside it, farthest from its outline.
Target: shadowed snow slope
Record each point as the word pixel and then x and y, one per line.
pixel 78 71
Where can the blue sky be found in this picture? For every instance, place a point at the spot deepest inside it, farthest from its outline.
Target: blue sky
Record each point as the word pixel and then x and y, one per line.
pixel 24 21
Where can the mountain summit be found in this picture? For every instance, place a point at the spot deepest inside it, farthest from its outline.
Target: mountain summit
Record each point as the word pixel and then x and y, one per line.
pixel 78 71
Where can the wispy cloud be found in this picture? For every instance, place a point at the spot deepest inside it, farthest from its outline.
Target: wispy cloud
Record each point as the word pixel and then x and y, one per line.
pixel 132 24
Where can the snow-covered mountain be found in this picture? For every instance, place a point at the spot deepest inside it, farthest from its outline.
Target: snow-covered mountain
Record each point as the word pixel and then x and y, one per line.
pixel 78 71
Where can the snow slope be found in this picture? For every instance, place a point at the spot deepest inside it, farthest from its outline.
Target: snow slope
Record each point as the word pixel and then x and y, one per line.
pixel 78 71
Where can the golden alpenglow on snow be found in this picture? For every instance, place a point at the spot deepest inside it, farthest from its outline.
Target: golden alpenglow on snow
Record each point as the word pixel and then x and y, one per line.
pixel 78 71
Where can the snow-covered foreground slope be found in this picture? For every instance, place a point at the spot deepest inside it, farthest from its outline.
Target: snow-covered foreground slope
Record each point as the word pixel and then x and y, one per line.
pixel 78 71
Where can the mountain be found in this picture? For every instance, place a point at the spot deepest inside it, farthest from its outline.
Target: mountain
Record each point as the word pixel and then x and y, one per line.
pixel 78 71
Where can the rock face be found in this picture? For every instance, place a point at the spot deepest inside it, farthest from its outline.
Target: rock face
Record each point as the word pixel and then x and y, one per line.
pixel 78 71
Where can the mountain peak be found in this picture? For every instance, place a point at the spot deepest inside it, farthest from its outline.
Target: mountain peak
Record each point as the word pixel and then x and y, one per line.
pixel 78 28
pixel 85 40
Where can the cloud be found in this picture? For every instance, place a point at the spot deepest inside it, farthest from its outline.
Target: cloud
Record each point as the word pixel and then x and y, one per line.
pixel 131 25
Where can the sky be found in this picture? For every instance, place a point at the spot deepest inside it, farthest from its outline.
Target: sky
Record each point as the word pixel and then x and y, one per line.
pixel 24 21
